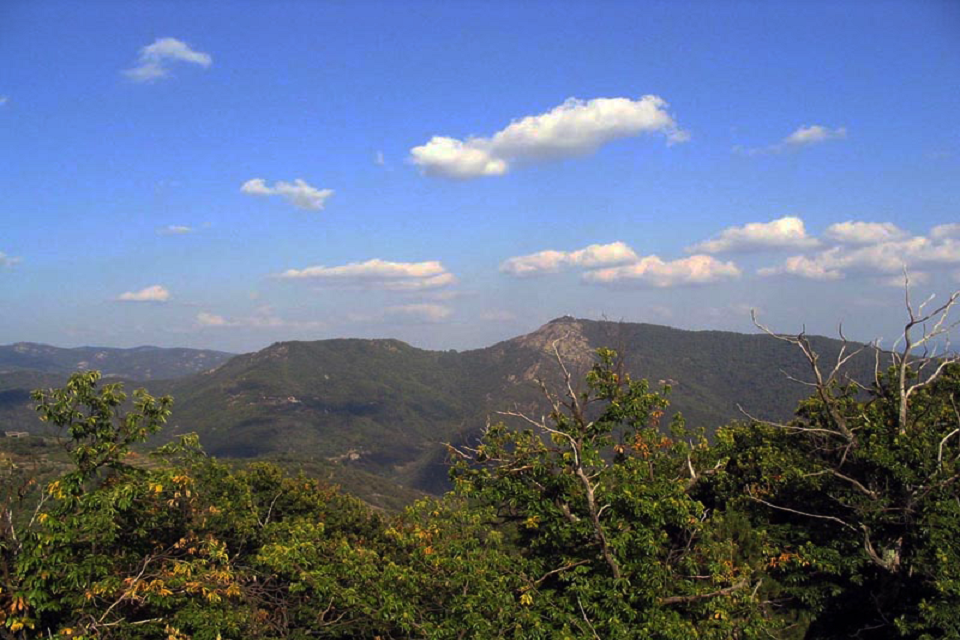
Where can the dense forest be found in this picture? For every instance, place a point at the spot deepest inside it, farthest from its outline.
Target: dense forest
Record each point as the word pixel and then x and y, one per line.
pixel 602 518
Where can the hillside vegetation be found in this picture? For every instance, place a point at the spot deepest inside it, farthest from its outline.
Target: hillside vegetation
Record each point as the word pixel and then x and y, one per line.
pixel 363 412
pixel 140 363
pixel 387 408
pixel 599 518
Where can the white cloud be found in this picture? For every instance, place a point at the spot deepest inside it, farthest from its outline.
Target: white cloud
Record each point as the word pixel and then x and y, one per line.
pixel 421 312
pixel 916 277
pixel 452 158
pixel 378 159
pixel 804 136
pixel 951 230
pixel 883 258
pixel 298 193
pixel 550 261
pixel 574 128
pixel 155 59
pixel 380 274
pixel 818 268
pixel 212 320
pixel 156 293
pixel 8 261
pixel 854 232
pixel 814 134
pixel 788 231
pixel 498 315
pixel 263 317
pixel 174 230
pixel 654 272
pixel 3 100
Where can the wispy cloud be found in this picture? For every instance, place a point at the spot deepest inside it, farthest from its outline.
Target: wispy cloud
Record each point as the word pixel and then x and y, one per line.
pixel 788 231
pixel 298 193
pixel 155 59
pixel 941 231
pixel 551 261
pixel 155 293
pixel 3 100
pixel 804 136
pixel 498 315
pixel 263 317
pixel 174 230
pixel 814 134
pixel 212 320
pixel 420 312
pixel 379 274
pixel 574 128
pixel 8 261
pixel 897 281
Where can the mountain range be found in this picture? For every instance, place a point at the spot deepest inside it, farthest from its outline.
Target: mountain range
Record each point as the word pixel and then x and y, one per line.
pixel 376 414
pixel 139 363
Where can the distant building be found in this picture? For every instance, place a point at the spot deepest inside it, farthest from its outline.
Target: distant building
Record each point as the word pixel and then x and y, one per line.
pixel 16 434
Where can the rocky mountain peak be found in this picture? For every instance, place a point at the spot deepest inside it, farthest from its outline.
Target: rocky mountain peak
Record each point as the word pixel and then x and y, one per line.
pixel 567 334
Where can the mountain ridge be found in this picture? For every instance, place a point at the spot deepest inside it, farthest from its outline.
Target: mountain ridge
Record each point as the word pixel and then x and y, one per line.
pixel 385 408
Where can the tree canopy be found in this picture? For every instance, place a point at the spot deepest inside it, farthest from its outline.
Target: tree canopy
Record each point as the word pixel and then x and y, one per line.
pixel 594 521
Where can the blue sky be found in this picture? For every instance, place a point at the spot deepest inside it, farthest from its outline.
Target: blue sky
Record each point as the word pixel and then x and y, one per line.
pixel 227 175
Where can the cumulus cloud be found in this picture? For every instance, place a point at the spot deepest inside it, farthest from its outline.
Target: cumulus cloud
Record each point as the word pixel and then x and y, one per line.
pixel 550 261
pixel 788 231
pixel 155 293
pixel 155 59
pixel 574 128
pixel 8 261
pixel 174 230
pixel 652 271
pixel 298 193
pixel 855 232
pixel 941 231
pixel 617 263
pixel 878 259
pixel 379 274
pixel 420 312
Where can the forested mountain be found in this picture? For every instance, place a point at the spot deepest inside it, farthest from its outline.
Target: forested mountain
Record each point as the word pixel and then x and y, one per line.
pixel 139 363
pixel 388 408
pixel 385 408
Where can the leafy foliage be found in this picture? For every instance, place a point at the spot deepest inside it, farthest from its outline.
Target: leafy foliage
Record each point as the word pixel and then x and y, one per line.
pixel 599 502
pixel 593 521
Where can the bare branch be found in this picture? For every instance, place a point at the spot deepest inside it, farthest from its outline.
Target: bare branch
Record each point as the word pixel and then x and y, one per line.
pixel 565 567
pixel 943 442
pixel 587 620
pixel 790 427
pixel 856 483
pixel 803 513
pixel 705 596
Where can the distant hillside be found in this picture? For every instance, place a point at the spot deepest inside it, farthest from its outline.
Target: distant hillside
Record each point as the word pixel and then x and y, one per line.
pixel 139 363
pixel 386 408
pixel 368 409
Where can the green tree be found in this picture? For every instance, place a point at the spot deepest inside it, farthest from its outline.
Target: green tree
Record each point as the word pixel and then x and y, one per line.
pixel 598 500
pixel 861 491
